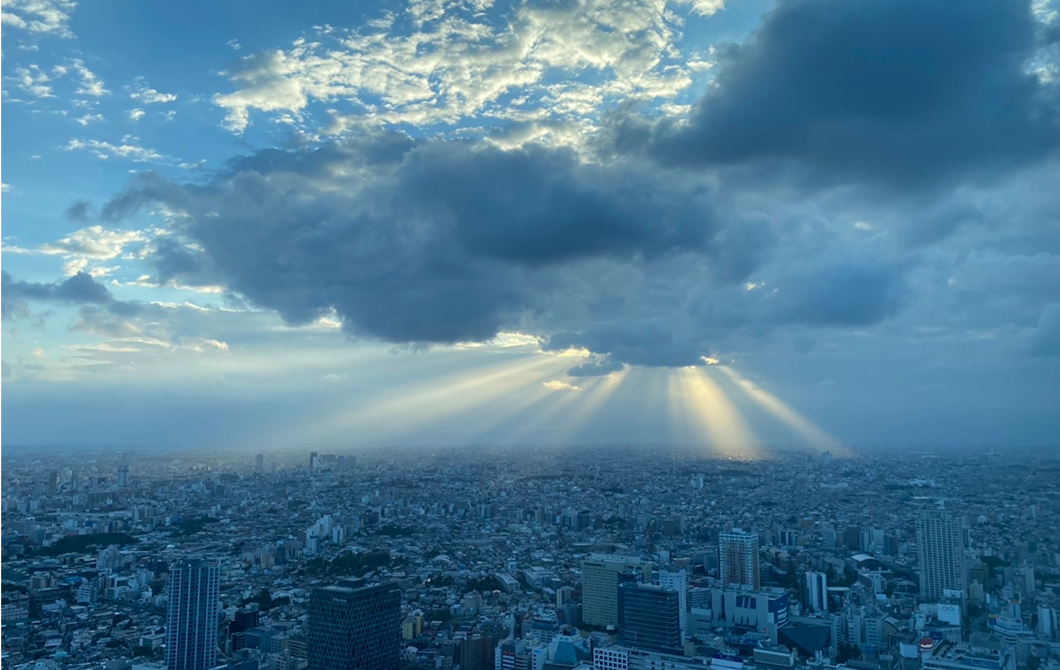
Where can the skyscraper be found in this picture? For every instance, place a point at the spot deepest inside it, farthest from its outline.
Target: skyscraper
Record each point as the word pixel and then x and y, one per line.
pixel 191 625
pixel 353 626
pixel 600 587
pixel 940 553
pixel 738 558
pixel 649 617
pixel 259 463
pixel 677 581
pixel 817 591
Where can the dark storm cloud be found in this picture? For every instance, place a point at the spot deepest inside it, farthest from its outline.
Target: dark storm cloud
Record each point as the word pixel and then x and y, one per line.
pixel 849 292
pixel 80 289
pixel 450 244
pixel 637 342
pixel 80 211
pixel 906 93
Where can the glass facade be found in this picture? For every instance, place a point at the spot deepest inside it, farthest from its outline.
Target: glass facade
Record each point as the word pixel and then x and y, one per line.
pixel 649 617
pixel 355 627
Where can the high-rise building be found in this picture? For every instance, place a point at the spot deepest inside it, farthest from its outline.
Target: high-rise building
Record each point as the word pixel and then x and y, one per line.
pixel 600 587
pixel 123 475
pixel 817 591
pixel 314 460
pixel 191 626
pixel 649 617
pixel 738 558
pixel 677 581
pixel 476 652
pixel 259 463
pixel 353 626
pixel 513 654
pixel 940 553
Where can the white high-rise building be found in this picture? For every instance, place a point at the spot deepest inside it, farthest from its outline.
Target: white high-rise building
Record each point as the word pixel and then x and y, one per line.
pixel 677 581
pixel 738 558
pixel 191 627
pixel 817 591
pixel 940 554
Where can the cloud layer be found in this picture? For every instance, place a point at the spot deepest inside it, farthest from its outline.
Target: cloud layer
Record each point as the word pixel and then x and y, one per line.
pixel 903 93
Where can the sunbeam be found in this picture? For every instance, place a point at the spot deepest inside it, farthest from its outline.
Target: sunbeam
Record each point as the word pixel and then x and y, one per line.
pixel 407 408
pixel 816 438
pixel 711 416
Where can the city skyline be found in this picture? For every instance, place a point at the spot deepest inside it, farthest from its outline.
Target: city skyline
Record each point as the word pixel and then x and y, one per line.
pixel 729 224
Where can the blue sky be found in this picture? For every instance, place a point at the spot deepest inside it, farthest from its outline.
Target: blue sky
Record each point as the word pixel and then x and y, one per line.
pixel 738 224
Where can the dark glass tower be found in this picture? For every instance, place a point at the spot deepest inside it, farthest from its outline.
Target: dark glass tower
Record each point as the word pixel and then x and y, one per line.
pixel 649 617
pixel 353 626
pixel 191 627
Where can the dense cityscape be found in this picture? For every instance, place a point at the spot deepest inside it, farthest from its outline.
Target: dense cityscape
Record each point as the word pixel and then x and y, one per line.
pixel 531 558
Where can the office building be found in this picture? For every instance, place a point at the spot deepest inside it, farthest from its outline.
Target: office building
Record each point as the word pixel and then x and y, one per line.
pixel 817 591
pixel 677 581
pixel 259 463
pixel 940 554
pixel 738 558
pixel 353 626
pixel 600 577
pixel 191 625
pixel 513 654
pixel 649 617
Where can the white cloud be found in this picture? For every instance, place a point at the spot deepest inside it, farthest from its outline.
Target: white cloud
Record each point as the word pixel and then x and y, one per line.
pixel 91 85
pixel 89 118
pixel 50 17
pixel 33 81
pixel 559 385
pixel 201 344
pixel 135 114
pixel 128 149
pixel 459 63
pixel 94 242
pixel 147 95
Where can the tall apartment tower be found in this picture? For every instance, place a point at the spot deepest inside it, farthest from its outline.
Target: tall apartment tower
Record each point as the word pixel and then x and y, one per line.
pixel 738 558
pixel 817 591
pixel 600 587
pixel 259 463
pixel 649 617
pixel 940 553
pixel 353 626
pixel 191 625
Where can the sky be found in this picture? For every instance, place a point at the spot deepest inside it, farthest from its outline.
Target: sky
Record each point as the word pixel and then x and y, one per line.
pixel 745 225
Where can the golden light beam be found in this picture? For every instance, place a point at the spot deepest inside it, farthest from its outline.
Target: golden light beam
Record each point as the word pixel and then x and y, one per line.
pixel 818 439
pixel 712 415
pixel 573 417
pixel 566 412
pixel 430 399
pixel 525 400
